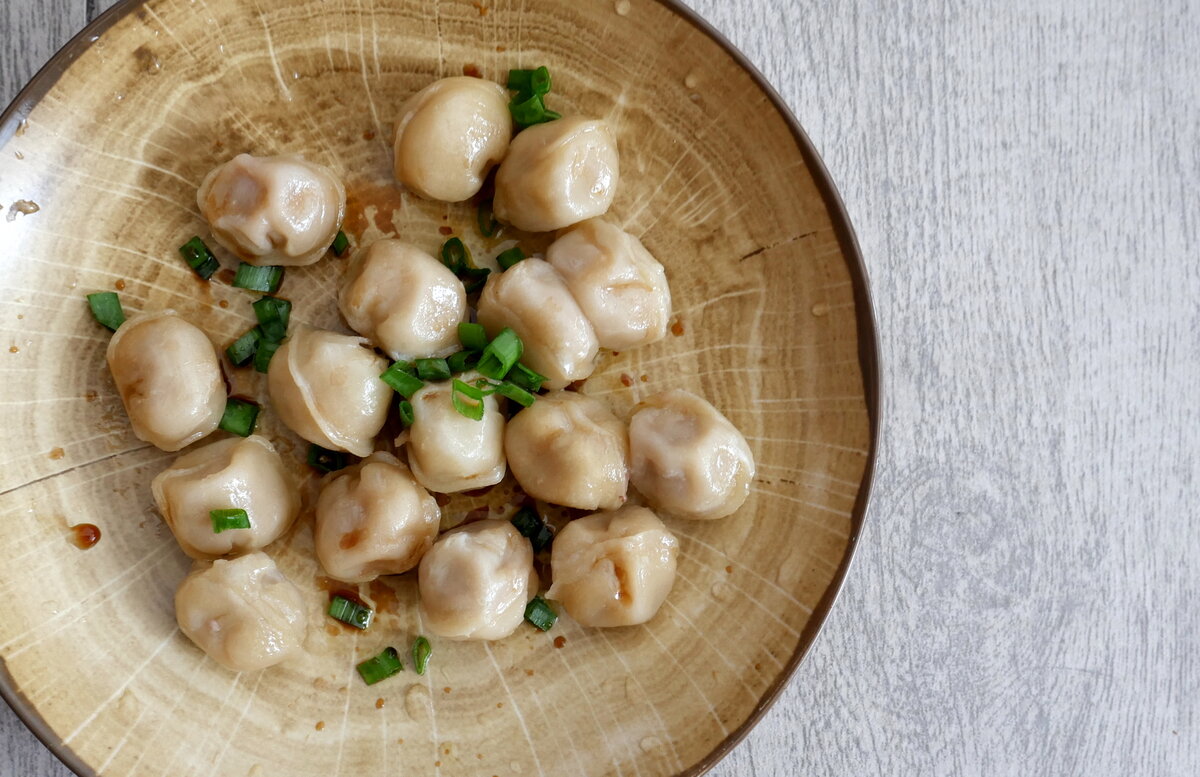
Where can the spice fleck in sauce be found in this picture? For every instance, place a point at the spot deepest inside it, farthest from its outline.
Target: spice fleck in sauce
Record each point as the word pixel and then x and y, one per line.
pixel 86 535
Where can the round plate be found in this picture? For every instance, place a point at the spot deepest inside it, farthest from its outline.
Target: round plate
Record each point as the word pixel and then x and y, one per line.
pixel 774 326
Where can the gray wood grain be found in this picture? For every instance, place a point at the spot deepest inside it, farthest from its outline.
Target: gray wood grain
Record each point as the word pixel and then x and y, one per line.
pixel 1024 180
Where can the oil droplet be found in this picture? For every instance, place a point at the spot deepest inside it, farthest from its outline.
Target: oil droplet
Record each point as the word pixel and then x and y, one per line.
pixel 559 641
pixel 22 207
pixel 320 725
pixel 691 81
pixel 729 570
pixel 722 592
pixel 446 689
pixel 380 702
pixel 622 7
pixel 649 743
pixel 86 535
pixel 820 309
pixel 119 285
pixel 13 349
pixel 645 379
pixel 57 453
pixel 677 328
pixel 417 702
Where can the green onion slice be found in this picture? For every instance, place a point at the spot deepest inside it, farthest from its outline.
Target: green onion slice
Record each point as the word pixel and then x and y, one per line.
pixel 468 400
pixel 456 255
pixel 242 350
pixel 472 336
pixel 530 524
pixel 273 314
pixel 525 378
pixel 239 417
pixel 406 413
pixel 255 278
pixel 106 307
pixel 199 258
pixel 539 613
pixel 266 349
pixel 507 259
pixel 474 278
pixel 324 459
pixel 421 651
pixel 462 361
pixel 381 667
pixel 351 613
pixel 530 81
pixel 528 110
pixel 433 369
pixel 223 520
pixel 515 393
pixel 340 243
pixel 486 219
pixel 400 377
pixel 501 354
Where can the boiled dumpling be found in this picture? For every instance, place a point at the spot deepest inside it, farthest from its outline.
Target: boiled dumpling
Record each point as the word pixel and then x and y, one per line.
pixel 403 300
pixel 620 287
pixel 373 519
pixel 449 135
pixel 613 569
pixel 326 388
pixel 169 379
pixel 476 580
pixel 532 299
pixel 449 452
pixel 688 460
pixel 274 210
pixel 245 474
pixel 569 449
pixel 557 174
pixel 243 613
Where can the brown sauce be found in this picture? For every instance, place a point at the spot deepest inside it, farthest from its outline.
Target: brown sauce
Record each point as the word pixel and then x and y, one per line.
pixel 559 641
pixel 445 230
pixel 626 379
pixel 677 328
pixel 57 453
pixel 119 285
pixel 472 70
pixel 86 535
pixel 380 702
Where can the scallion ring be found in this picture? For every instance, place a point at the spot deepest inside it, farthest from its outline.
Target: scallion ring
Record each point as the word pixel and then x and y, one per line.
pixel 241 351
pixel 421 651
pixel 501 354
pixel 199 258
pixel 254 278
pixel 401 378
pixel 273 315
pixel 467 400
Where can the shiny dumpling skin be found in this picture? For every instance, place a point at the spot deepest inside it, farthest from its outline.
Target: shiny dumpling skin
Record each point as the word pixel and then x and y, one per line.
pixel 373 519
pixel 274 210
pixel 169 379
pixel 569 449
pixel 620 287
pixel 476 580
pixel 403 300
pixel 557 174
pixel 326 388
pixel 228 474
pixel 613 569
pixel 243 612
pixel 449 135
pixel 532 299
pixel 688 460
pixel 449 452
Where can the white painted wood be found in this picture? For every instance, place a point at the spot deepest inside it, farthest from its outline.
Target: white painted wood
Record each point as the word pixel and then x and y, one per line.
pixel 1024 178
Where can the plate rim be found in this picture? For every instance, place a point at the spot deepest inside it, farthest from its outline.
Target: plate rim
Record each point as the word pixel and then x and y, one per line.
pixel 868 361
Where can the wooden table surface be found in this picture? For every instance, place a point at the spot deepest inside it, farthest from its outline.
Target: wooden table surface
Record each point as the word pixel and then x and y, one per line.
pixel 1024 180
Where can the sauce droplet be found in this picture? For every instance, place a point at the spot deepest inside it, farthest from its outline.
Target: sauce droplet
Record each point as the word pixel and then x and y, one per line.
pixel 645 379
pixel 13 349
pixel 445 230
pixel 86 535
pixel 380 702
pixel 559 641
pixel 57 453
pixel 626 379
pixel 223 303
pixel 119 285
pixel 677 328
pixel 369 135
pixel 472 71
pixel 820 309
pixel 23 207
pixel 320 725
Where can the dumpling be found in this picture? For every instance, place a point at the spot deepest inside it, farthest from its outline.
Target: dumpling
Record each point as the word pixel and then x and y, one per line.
pixel 476 580
pixel 273 210
pixel 531 298
pixel 243 613
pixel 373 519
pixel 620 287
pixel 688 460
pixel 238 473
pixel 557 174
pixel 569 449
pixel 449 452
pixel 449 135
pixel 169 379
pixel 613 569
pixel 403 300
pixel 326 388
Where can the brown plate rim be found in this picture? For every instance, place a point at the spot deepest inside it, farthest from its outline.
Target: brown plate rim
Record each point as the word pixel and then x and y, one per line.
pixel 868 357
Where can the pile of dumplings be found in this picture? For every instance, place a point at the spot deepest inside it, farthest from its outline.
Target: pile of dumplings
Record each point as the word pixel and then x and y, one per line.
pixel 597 287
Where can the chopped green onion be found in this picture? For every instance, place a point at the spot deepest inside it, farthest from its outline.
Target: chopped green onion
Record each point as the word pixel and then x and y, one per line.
pixel 255 278
pixel 515 393
pixel 421 651
pixel 539 613
pixel 501 354
pixel 507 259
pixel 528 110
pixel 474 278
pixel 406 413
pixel 525 378
pixel 455 255
pixel 325 460
pixel 462 361
pixel 472 336
pixel 239 417
pixel 381 667
pixel 199 258
pixel 401 379
pixel 467 400
pixel 486 218
pixel 266 349
pixel 340 243
pixel 273 314
pixel 106 307
pixel 433 369
pixel 530 524
pixel 223 520
pixel 351 613
pixel 242 350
